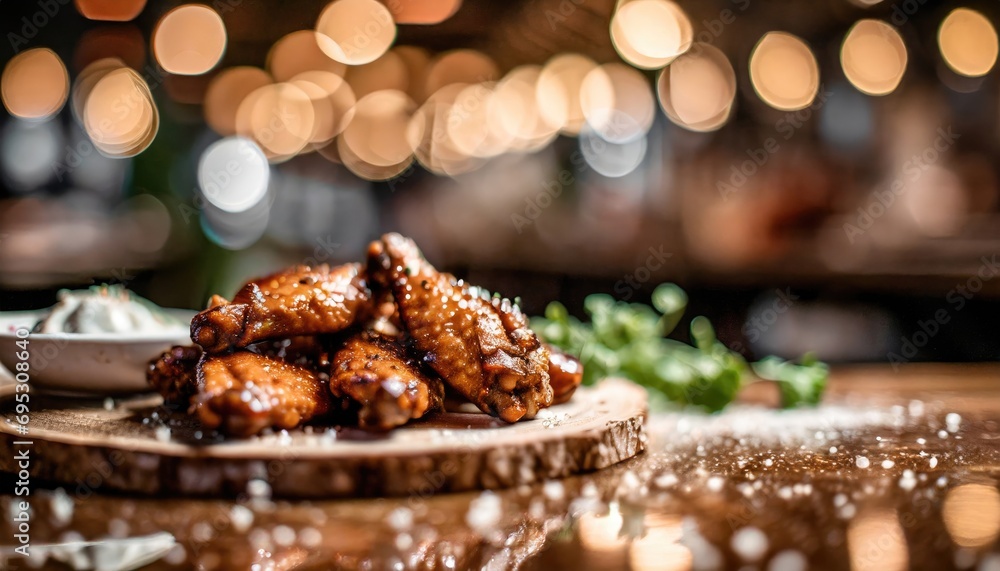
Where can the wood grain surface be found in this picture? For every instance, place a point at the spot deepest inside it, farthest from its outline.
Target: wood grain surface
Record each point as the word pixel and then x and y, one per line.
pixel 140 446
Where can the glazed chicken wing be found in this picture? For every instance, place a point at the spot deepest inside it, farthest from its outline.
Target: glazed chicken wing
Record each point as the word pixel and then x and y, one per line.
pixel 387 387
pixel 481 346
pixel 174 374
pixel 242 393
pixel 298 301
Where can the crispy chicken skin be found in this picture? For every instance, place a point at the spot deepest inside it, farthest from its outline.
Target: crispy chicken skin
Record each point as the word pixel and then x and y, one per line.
pixel 297 301
pixel 480 346
pixel 386 386
pixel 242 393
pixel 173 374
pixel 565 374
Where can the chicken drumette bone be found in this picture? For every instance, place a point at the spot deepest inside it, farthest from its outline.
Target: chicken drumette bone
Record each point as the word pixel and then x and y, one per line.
pixel 480 345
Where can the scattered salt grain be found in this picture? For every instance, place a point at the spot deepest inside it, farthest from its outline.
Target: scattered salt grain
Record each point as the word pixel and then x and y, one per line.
pixel 163 433
pixel 921 441
pixel 484 512
pixel 404 541
pixel 109 404
pixel 749 543
pixel 942 433
pixel 715 483
pixel 847 511
pixel 241 517
pixel 839 500
pixel 933 462
pixel 833 450
pixel 768 463
pixel 908 481
pixel 310 537
pixel 283 535
pixel 554 490
pixel 62 507
pixel 888 464
pixel 401 519
pixel 202 532
pixel 953 421
pixel 862 462
pixel 666 480
pixel 916 408
pixel 259 489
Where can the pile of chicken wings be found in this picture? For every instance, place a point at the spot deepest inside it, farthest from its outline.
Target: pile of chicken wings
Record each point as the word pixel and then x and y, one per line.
pixel 375 344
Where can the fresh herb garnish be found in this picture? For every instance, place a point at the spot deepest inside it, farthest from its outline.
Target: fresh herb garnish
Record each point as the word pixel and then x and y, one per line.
pixel 630 340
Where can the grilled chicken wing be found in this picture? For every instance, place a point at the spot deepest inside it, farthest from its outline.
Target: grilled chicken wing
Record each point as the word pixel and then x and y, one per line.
pixel 480 346
pixel 173 374
pixel 298 301
pixel 242 393
pixel 565 374
pixel 387 387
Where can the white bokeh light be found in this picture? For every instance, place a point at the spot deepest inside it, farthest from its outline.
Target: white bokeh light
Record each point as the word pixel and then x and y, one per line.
pixel 233 174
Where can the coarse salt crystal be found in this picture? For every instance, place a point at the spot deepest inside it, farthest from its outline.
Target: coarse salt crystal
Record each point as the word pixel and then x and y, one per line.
pixel 862 462
pixel 749 543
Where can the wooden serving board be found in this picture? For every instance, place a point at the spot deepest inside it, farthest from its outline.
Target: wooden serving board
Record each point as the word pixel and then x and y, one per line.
pixel 78 442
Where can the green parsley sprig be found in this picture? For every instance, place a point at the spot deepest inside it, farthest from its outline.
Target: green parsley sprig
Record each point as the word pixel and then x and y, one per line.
pixel 630 340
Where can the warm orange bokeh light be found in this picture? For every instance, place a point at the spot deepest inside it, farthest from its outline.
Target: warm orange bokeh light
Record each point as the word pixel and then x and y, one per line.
pixel 423 11
pixel 784 71
pixel 110 10
pixel 189 40
pixel 338 104
pixel 968 42
pixel 379 133
pixel 649 34
pixel 514 110
pixel 227 91
pixel 356 32
pixel 617 102
pixel 34 84
pixel 873 57
pixel 558 91
pixel 119 114
pixel 298 52
pixel 279 118
pixel 698 89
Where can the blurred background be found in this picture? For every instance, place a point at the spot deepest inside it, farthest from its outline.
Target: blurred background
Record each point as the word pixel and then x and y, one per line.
pixel 818 175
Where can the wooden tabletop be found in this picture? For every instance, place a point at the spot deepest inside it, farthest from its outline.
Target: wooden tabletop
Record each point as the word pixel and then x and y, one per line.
pixel 897 470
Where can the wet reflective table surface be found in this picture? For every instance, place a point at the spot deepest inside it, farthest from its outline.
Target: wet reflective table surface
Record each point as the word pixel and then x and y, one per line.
pixel 896 470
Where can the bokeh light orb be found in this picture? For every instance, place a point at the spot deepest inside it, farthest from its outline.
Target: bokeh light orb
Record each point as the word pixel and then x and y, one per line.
pixel 34 84
pixel 356 32
pixel 650 33
pixel 110 10
pixel 617 102
pixel 233 174
pixel 298 52
pixel 558 91
pixel 119 115
pixel 784 71
pixel 189 40
pixel 968 42
pixel 698 89
pixel 873 56
pixel 227 91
